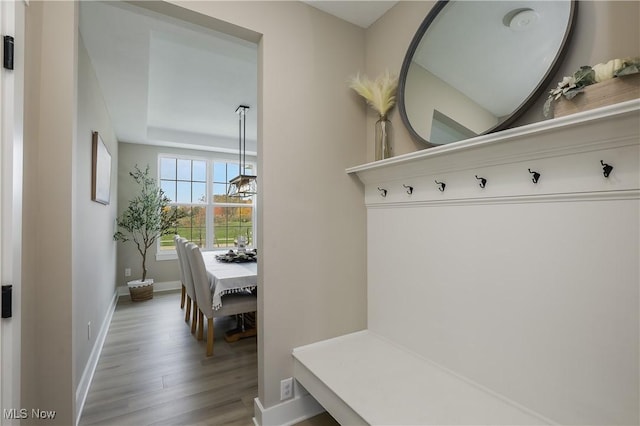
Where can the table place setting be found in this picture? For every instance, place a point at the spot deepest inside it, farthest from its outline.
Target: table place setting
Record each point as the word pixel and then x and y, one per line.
pixel 238 256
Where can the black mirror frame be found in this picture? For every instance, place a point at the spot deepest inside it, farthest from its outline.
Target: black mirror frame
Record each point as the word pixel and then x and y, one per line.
pixel 529 100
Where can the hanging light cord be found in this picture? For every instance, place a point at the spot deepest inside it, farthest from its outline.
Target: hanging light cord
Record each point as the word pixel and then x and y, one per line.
pixel 242 138
pixel 244 142
pixel 240 114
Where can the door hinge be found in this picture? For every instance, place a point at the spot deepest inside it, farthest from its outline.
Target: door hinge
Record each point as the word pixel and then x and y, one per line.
pixel 7 291
pixel 7 52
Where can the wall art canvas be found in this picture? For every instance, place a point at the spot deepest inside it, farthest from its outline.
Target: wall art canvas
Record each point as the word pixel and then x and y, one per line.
pixel 100 171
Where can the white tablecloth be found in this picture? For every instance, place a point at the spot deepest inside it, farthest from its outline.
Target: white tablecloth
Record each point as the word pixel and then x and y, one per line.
pixel 226 278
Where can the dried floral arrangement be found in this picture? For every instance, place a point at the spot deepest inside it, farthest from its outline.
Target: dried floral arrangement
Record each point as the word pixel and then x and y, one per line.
pixel 587 75
pixel 380 93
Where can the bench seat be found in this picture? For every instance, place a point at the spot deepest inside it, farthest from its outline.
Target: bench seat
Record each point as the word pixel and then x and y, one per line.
pixel 364 378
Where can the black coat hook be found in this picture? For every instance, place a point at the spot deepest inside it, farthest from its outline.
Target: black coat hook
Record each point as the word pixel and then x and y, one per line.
pixel 483 181
pixel 442 185
pixel 409 189
pixel 535 177
pixel 606 169
pixel 383 192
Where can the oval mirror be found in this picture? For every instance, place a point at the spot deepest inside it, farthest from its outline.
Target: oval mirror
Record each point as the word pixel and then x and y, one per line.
pixel 474 66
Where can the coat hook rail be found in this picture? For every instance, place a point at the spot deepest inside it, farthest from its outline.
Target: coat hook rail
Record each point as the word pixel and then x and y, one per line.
pixel 483 181
pixel 383 192
pixel 409 189
pixel 606 169
pixel 442 186
pixel 536 176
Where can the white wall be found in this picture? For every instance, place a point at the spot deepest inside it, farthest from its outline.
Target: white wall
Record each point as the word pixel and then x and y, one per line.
pixel 545 314
pixel 33 41
pixel 50 124
pixel 311 220
pixel 94 251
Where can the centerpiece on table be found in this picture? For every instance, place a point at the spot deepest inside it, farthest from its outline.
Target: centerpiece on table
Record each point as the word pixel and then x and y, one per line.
pixel 380 94
pixel 603 84
pixel 238 257
pixel 147 218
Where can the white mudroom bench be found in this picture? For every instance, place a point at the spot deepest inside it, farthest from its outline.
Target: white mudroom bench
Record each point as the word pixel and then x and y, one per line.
pixel 365 379
pixel 510 296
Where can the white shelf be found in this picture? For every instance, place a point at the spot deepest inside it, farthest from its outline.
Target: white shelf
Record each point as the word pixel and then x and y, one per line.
pixel 583 121
pixel 363 378
pixel 566 151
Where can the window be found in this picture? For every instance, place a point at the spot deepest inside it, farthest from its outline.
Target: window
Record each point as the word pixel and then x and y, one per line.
pixel 197 188
pixel 231 216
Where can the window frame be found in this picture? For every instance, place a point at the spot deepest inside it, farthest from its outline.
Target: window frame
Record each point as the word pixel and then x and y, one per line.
pixel 209 205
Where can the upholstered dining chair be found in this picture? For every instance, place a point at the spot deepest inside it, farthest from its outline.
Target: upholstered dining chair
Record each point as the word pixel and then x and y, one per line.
pixel 183 293
pixel 232 304
pixel 191 301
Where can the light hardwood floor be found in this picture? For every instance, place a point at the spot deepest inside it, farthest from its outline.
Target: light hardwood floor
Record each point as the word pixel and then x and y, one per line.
pixel 152 371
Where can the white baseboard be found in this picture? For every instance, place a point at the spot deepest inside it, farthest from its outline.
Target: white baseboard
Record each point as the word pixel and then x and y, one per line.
pixel 90 368
pixel 303 406
pixel 123 290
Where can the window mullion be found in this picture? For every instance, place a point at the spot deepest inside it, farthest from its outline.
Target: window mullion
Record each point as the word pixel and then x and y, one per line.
pixel 209 209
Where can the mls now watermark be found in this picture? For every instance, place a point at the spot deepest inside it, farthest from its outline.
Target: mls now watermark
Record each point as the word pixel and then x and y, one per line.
pixel 23 413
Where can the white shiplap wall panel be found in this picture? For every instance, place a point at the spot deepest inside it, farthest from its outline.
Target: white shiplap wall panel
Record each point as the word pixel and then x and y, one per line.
pixel 537 301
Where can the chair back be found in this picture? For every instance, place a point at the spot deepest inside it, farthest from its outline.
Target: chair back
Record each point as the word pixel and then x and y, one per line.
pixel 180 258
pixel 200 279
pixel 188 278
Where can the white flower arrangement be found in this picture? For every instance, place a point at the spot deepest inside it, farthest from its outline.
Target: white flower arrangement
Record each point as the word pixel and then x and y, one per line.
pixel 587 75
pixel 380 93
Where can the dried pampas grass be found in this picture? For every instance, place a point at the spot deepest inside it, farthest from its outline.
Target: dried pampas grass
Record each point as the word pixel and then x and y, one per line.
pixel 380 93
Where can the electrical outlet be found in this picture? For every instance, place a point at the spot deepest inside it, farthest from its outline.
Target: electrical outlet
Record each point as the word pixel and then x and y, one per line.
pixel 127 272
pixel 89 330
pixel 286 389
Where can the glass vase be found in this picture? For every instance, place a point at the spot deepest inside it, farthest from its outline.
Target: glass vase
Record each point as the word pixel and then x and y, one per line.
pixel 384 138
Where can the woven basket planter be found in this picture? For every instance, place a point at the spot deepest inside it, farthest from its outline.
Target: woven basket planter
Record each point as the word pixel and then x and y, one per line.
pixel 597 95
pixel 140 290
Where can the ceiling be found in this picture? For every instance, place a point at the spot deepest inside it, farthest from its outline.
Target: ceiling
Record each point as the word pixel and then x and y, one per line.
pixel 171 83
pixel 361 13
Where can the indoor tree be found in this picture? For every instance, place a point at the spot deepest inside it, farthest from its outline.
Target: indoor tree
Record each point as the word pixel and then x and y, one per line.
pixel 147 217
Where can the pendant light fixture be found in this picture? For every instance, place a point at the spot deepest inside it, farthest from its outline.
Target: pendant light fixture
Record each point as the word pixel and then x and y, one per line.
pixel 243 185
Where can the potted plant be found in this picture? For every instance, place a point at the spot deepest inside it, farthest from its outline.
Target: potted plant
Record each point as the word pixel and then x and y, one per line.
pixel 147 218
pixel 605 75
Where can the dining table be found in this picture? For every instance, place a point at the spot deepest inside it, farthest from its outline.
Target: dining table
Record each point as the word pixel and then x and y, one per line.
pixel 228 277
